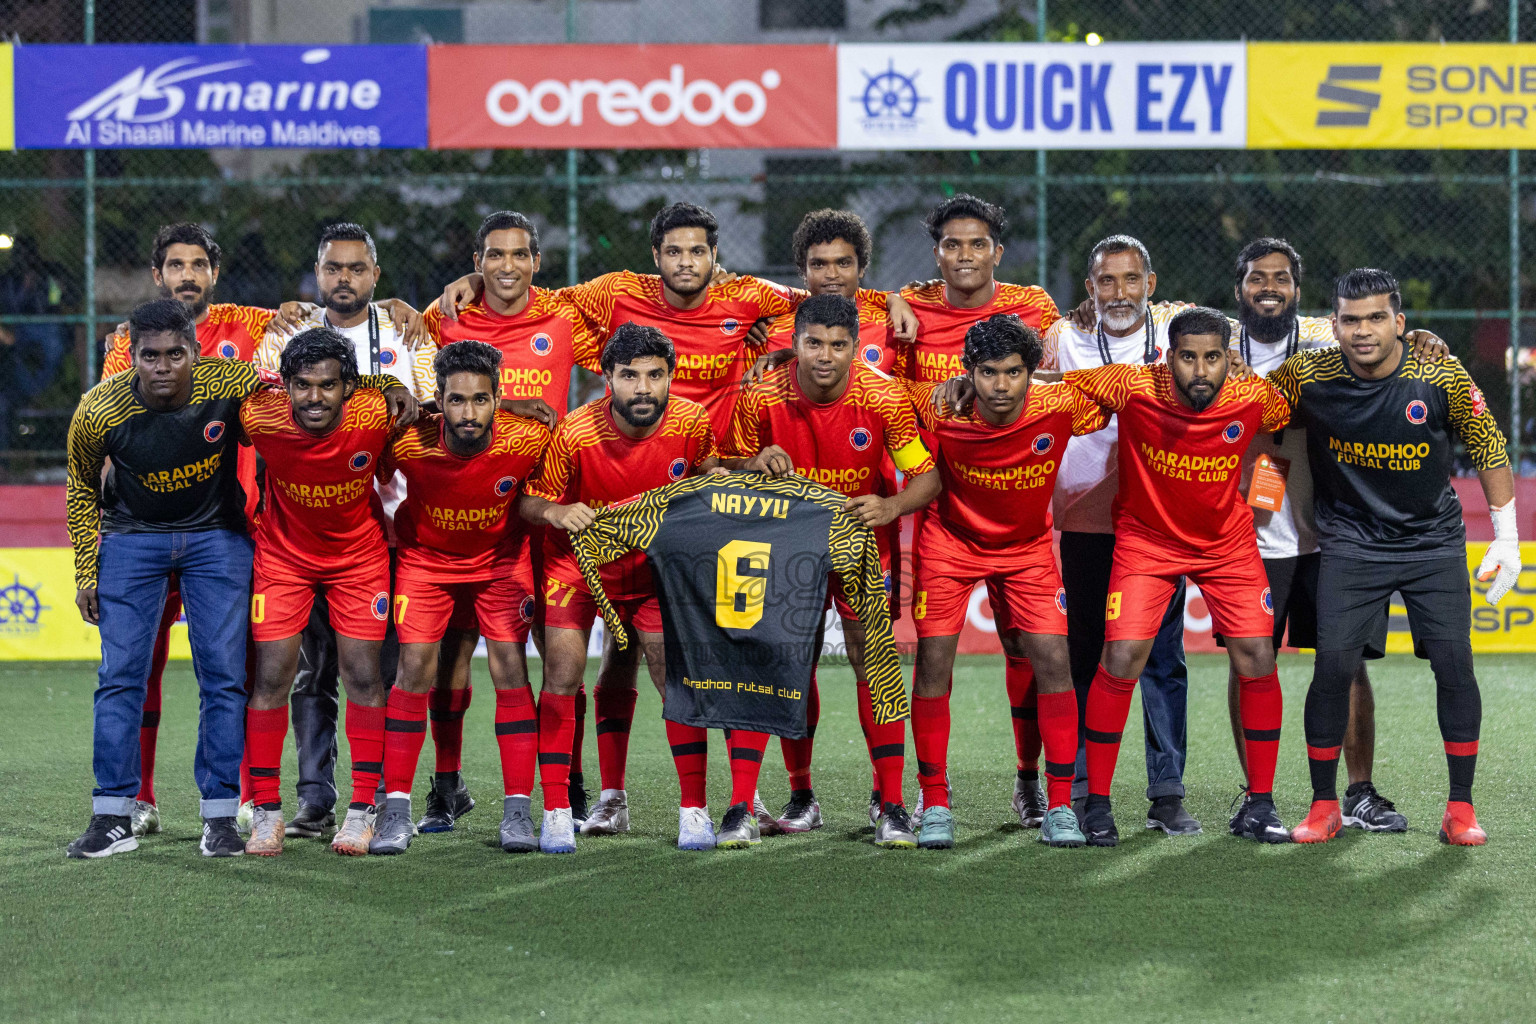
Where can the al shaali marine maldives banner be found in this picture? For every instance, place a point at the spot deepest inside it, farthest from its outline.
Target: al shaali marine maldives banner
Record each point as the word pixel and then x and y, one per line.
pixel 193 97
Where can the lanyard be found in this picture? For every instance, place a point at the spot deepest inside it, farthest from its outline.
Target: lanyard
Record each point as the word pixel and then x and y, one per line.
pixel 1149 349
pixel 1292 343
pixel 373 339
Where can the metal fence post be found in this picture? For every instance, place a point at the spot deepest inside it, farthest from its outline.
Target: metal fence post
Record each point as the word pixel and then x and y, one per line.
pixel 572 224
pixel 1042 274
pixel 1514 275
pixel 89 217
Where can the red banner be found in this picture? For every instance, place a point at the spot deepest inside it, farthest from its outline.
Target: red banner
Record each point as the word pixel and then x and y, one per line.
pixel 632 97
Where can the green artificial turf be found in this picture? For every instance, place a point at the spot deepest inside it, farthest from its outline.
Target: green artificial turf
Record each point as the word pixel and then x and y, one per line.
pixel 815 927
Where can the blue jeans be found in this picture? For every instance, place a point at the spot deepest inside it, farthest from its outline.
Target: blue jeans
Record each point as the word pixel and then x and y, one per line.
pixel 215 570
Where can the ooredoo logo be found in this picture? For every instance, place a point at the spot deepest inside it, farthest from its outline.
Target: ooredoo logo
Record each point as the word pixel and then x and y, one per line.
pixel 1042 444
pixel 213 431
pixel 729 326
pixel 1417 412
pixel 860 438
pixel 360 461
pixel 620 102
pixel 381 605
pixel 504 486
pixel 542 344
pixel 1233 432
pixel 678 467
pixel 227 349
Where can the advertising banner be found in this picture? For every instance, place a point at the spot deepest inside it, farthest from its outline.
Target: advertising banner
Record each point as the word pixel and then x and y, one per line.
pixel 221 97
pixel 38 617
pixel 7 116
pixel 1041 96
pixel 1391 96
pixel 632 97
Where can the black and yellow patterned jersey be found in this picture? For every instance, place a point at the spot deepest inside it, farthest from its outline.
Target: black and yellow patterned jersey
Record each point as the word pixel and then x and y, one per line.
pixel 1380 451
pixel 171 472
pixel 740 563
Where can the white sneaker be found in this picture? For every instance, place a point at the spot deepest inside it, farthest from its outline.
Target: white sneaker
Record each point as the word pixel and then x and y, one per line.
pixel 243 817
pixel 266 832
pixel 610 816
pixel 558 835
pixel 695 830
pixel 145 818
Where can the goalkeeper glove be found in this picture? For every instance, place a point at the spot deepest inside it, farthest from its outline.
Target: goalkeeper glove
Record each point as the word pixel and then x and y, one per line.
pixel 1502 562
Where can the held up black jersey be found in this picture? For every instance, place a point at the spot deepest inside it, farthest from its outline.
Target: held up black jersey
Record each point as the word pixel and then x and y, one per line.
pixel 1380 451
pixel 741 564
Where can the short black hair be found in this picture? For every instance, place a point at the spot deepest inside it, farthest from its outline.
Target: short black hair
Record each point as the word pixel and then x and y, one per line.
pixel 998 337
pixel 1363 282
pixel 162 315
pixel 964 206
pixel 506 220
pixel 346 231
pixel 467 357
pixel 1121 243
pixel 683 215
pixel 1261 247
pixel 636 341
pixel 822 226
pixel 1199 320
pixel 828 310
pixel 315 346
pixel 184 233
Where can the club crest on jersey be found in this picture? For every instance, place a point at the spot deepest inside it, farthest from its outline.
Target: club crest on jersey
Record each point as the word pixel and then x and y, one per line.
pixel 678 467
pixel 227 349
pixel 1417 412
pixel 360 461
pixel 1232 432
pixel 504 486
pixel 381 605
pixel 525 609
pixel 860 438
pixel 1267 601
pixel 387 357
pixel 872 355
pixel 213 431
pixel 1061 600
pixel 542 344
pixel 885 578
pixel 729 326
pixel 1042 444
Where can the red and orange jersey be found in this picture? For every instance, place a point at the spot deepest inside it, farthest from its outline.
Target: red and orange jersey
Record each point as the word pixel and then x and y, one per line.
pixel 321 503
pixel 711 340
pixel 877 344
pixel 539 347
pixel 998 481
pixel 229 332
pixel 1179 469
pixel 838 444
pixel 457 523
pixel 591 461
pixel 941 327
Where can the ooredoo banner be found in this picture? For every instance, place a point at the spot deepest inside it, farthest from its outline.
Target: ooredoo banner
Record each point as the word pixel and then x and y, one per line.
pixel 632 97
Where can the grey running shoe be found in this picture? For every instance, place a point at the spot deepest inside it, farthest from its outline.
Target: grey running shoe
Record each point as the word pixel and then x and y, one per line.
pixel 266 832
pixel 145 818
pixel 312 822
pixel 1367 809
pixel 738 829
pixel 609 817
pixel 893 829
pixel 801 814
pixel 937 831
pixel 356 832
pixel 517 826
pixel 1168 813
pixel 393 830
pixel 1060 828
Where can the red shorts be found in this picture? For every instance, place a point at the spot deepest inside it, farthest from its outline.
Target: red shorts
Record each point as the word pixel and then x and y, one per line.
pixel 530 559
pixel 835 598
pixel 358 600
pixel 501 608
pixel 569 605
pixel 1145 571
pixel 1023 584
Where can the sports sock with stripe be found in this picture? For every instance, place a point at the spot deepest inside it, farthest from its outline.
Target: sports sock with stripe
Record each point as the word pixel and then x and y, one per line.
pixel 930 741
pixel 365 743
pixel 1109 704
pixel 1058 734
pixel 615 712
pixel 690 753
pixel 265 732
pixel 446 710
pixel 797 753
pixel 746 750
pixel 1261 707
pixel 405 730
pixel 887 748
pixel 1019 676
pixel 517 734
pixel 557 721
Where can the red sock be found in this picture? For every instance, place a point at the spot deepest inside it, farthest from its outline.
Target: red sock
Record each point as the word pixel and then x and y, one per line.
pixel 690 752
pixel 887 748
pixel 265 731
pixel 1019 675
pixel 1260 707
pixel 557 720
pixel 930 738
pixel 746 750
pixel 579 731
pixel 1058 732
pixel 615 712
pixel 517 734
pixel 446 710
pixel 405 730
pixel 1109 704
pixel 797 753
pixel 365 742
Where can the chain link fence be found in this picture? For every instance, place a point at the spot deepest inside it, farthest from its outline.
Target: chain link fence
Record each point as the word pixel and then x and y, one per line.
pixel 1439 220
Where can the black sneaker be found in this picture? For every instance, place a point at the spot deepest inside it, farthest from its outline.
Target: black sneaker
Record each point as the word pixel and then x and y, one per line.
pixel 1367 809
pixel 1262 822
pixel 578 798
pixel 1168 814
pixel 1099 822
pixel 105 835
pixel 220 838
pixel 447 801
pixel 1241 802
pixel 311 822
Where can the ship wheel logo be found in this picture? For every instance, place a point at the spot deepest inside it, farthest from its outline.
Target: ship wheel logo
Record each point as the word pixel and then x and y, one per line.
pixel 19 604
pixel 890 95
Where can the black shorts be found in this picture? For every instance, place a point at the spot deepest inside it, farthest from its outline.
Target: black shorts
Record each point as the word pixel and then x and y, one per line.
pixel 1352 598
pixel 1293 589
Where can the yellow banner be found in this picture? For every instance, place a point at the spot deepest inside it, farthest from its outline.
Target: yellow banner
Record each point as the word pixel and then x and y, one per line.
pixel 1506 628
pixel 1391 96
pixel 38 617
pixel 7 99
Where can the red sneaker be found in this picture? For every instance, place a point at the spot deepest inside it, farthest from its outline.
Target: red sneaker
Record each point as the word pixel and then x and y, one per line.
pixel 1321 824
pixel 1459 827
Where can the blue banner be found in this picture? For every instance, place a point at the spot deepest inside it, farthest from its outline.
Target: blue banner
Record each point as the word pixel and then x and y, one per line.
pixel 221 97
